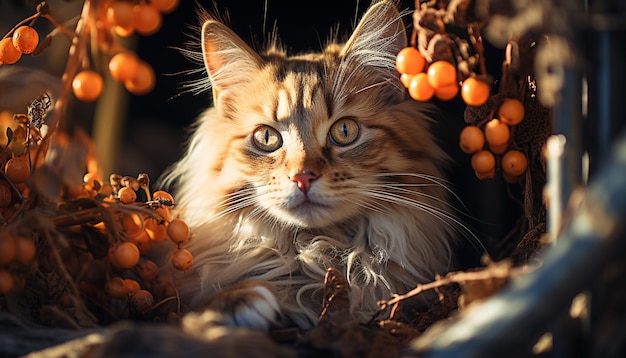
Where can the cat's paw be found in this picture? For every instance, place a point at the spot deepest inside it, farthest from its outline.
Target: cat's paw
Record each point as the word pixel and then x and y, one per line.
pixel 249 304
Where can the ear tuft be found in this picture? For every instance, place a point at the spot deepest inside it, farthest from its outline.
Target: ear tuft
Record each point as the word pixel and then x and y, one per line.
pixel 378 38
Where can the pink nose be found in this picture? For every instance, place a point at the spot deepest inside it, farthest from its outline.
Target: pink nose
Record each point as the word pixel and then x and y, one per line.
pixel 304 180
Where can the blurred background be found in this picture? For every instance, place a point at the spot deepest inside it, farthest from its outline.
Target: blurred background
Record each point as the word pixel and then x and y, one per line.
pixel 146 134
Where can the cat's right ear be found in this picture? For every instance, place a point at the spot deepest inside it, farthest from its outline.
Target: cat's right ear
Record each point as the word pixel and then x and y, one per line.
pixel 229 61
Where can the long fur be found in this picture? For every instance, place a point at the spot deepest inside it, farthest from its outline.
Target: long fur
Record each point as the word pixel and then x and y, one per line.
pixel 387 224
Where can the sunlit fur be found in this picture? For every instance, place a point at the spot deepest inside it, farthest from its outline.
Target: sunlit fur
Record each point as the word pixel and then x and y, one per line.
pixel 378 211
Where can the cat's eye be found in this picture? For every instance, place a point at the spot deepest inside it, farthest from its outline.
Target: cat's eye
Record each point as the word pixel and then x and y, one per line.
pixel 267 138
pixel 344 132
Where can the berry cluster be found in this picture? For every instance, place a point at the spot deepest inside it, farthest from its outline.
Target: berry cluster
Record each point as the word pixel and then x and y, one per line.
pixel 438 79
pixel 496 135
pixel 104 23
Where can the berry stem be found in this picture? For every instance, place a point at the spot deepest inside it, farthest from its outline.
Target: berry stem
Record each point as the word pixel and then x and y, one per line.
pixel 32 17
pixel 76 52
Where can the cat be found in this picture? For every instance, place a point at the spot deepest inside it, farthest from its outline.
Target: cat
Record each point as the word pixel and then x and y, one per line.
pixel 305 163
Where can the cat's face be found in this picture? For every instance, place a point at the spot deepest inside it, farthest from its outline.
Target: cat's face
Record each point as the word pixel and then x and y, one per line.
pixel 314 140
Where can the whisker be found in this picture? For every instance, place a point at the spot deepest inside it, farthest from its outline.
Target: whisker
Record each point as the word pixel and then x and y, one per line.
pixel 441 182
pixel 430 209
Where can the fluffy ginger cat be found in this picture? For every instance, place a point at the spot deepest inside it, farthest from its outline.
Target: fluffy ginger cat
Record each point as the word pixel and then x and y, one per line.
pixel 306 163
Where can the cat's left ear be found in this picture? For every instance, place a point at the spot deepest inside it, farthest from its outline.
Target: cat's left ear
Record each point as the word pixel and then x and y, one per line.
pixel 229 61
pixel 378 38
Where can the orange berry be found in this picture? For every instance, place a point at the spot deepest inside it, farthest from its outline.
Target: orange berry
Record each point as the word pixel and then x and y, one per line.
pixel 147 19
pixel 511 111
pixel 405 78
pixel 25 250
pixel 127 195
pixel 123 66
pixel 182 259
pixel 496 132
pixel 132 285
pixel 92 180
pixel 164 6
pixel 471 139
pixel 8 249
pixel 178 231
pixel 410 61
pixel 157 231
pixel 441 74
pixel 141 301
pixel 147 270
pixel 87 85
pixel 143 80
pixel 25 39
pixel 420 89
pixel 448 92
pixel 514 163
pixel 17 169
pixel 475 92
pixel 124 255
pixel 483 161
pixel 8 53
pixel 132 224
pixel 163 196
pixel 7 283
pixel 116 288
pixel 121 13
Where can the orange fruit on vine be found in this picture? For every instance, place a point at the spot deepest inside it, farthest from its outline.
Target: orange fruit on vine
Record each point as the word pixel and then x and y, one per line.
pixel 116 288
pixel 420 89
pixel 441 74
pixel 483 161
pixel 8 53
pixel 25 250
pixel 25 39
pixel 17 169
pixel 475 92
pixel 178 231
pixel 141 301
pixel 124 255
pixel 87 85
pixel 163 196
pixel 147 270
pixel 147 19
pixel 143 81
pixel 156 230
pixel 182 259
pixel 405 78
pixel 132 224
pixel 123 66
pixel 121 13
pixel 410 61
pixel 514 163
pixel 165 6
pixel 511 111
pixel 127 195
pixel 471 139
pixel 497 132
